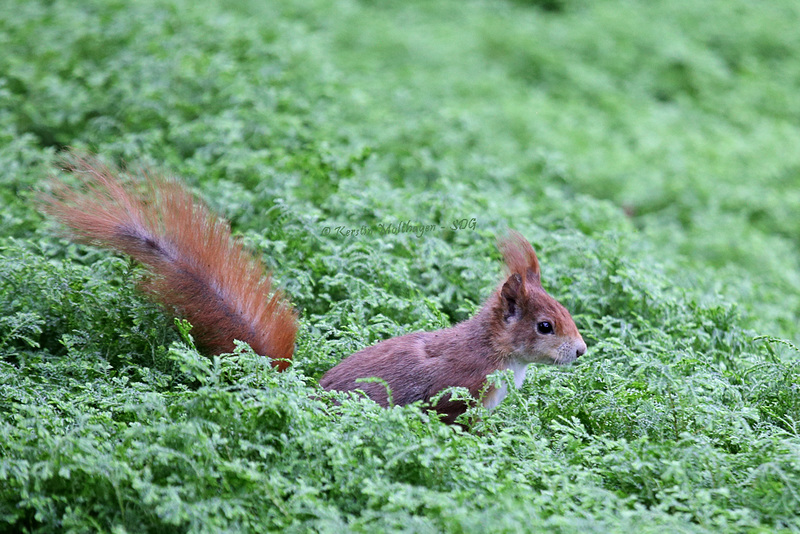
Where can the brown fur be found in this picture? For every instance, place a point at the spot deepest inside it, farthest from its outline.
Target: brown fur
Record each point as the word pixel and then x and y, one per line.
pixel 196 268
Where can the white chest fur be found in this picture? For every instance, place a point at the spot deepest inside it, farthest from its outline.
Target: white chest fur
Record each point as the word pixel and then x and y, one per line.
pixel 498 394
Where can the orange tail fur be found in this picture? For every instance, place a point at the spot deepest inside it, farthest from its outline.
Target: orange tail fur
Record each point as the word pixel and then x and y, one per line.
pixel 197 269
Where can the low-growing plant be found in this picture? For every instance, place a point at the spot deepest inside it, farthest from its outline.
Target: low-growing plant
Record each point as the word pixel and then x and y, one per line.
pixel 649 158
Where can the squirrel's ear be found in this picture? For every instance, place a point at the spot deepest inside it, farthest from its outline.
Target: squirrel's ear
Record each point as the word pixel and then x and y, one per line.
pixel 520 257
pixel 512 297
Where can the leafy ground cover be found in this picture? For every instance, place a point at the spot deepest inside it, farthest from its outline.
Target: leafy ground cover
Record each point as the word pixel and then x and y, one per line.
pixel 648 151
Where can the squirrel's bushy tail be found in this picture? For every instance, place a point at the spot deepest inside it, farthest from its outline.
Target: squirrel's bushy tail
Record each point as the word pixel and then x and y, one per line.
pixel 196 268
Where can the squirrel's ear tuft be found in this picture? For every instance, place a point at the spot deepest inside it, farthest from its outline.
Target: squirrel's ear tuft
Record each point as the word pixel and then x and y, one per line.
pixel 520 257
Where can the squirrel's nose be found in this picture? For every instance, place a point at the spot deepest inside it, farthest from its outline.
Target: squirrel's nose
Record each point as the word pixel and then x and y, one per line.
pixel 580 350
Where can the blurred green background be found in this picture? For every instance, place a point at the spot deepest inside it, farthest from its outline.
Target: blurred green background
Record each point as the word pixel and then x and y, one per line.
pixel 682 115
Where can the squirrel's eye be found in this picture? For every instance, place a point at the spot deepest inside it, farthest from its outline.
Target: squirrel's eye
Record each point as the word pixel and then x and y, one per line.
pixel 544 327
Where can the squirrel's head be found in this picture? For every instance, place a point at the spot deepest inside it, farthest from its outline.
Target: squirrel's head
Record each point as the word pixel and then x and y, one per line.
pixel 532 326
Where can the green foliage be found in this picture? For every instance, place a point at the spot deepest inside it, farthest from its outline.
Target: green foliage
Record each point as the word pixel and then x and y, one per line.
pixel 60 305
pixel 647 150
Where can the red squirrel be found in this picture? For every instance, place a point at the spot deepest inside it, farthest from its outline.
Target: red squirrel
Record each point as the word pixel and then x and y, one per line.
pixel 199 272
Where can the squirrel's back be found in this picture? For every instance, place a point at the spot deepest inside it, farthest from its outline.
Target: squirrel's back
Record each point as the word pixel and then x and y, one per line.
pixel 196 268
